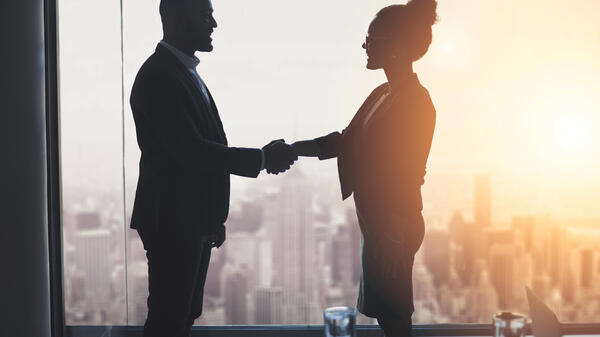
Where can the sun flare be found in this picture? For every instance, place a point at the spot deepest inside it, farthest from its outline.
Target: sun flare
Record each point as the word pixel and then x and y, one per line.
pixel 571 133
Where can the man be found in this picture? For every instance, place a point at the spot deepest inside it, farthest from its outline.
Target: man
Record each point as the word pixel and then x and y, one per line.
pixel 182 196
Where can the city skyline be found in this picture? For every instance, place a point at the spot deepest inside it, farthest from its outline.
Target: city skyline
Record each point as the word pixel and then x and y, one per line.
pixel 464 272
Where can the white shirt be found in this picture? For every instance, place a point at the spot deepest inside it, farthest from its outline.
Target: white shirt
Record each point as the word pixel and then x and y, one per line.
pixel 190 63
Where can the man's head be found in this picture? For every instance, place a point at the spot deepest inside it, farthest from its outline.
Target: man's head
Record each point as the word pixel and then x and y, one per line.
pixel 188 23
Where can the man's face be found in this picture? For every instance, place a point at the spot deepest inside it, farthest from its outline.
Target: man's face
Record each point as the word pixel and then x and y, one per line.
pixel 199 24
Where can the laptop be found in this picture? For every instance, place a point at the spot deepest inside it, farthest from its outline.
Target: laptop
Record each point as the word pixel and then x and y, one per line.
pixel 543 320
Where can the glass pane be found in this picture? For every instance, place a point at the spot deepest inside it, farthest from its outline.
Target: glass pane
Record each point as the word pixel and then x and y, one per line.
pixel 510 194
pixel 91 151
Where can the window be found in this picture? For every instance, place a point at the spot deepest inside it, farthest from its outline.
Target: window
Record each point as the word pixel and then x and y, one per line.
pixel 511 191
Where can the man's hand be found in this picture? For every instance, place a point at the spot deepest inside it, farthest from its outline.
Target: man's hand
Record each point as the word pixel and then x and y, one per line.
pixel 279 156
pixel 217 239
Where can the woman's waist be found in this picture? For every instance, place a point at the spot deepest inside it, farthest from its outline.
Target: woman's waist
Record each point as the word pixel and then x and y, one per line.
pixel 378 225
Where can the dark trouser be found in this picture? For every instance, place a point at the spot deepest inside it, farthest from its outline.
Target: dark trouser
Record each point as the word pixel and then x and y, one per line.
pixel 396 327
pixel 177 267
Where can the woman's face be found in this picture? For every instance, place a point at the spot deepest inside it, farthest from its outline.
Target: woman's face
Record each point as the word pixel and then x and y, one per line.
pixel 380 47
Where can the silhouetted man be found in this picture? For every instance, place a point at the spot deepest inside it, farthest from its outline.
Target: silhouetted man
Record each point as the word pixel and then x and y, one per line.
pixel 182 196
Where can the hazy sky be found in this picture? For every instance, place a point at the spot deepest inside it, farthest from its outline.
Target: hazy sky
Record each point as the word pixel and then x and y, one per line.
pixel 515 84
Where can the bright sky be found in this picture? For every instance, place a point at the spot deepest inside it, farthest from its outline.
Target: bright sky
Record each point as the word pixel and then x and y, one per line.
pixel 515 84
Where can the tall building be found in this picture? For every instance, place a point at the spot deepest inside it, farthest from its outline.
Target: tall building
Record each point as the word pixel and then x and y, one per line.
pixel 497 236
pixel 212 286
pixel 586 268
pixel 482 201
pixel 468 247
pixel 482 300
pixel 236 291
pixel 87 220
pixel 524 225
pixel 268 305
pixel 341 256
pixel 557 255
pixel 502 274
pixel 93 246
pixel 294 253
pixel 436 255
pixel 248 219
pixel 243 249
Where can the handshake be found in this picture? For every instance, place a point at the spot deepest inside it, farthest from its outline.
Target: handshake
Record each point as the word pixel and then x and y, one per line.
pixel 279 156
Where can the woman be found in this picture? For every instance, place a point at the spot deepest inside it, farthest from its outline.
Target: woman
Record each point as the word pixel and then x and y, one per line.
pixel 381 160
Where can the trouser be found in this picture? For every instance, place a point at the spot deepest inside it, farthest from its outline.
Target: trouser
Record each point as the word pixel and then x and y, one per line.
pixel 396 326
pixel 177 267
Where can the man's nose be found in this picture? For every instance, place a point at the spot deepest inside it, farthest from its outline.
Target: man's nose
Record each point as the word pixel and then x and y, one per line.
pixel 364 45
pixel 214 23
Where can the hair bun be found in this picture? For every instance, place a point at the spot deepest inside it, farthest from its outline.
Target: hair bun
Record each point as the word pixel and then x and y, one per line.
pixel 423 11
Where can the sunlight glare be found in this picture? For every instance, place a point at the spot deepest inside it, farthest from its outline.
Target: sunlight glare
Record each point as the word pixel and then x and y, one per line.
pixel 448 47
pixel 571 132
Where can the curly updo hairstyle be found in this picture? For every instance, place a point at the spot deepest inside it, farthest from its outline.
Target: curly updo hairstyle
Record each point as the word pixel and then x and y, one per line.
pixel 410 23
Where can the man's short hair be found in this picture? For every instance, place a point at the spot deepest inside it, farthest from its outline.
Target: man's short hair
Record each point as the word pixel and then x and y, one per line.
pixel 167 5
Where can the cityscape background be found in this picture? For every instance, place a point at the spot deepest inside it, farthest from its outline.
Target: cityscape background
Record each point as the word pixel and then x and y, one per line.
pixel 510 197
pixel 291 251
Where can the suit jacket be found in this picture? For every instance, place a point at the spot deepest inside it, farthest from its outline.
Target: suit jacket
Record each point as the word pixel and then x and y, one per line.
pixel 185 161
pixel 383 162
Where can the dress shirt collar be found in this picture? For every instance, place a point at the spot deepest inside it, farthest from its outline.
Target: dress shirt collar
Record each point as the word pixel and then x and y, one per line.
pixel 190 62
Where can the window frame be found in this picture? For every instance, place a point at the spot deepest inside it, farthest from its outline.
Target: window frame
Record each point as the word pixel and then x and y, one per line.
pixel 317 331
pixel 55 251
pixel 58 323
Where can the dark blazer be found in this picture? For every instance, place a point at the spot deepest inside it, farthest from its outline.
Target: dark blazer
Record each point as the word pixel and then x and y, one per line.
pixel 384 162
pixel 185 162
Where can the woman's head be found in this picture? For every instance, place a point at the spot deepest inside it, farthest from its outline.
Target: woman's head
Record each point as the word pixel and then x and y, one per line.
pixel 400 33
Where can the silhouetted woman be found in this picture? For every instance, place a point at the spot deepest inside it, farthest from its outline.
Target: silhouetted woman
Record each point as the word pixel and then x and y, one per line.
pixel 381 160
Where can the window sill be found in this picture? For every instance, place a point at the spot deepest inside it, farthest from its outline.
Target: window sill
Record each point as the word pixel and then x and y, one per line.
pixel 439 330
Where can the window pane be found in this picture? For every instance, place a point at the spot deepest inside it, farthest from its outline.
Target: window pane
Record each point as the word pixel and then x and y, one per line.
pixel 91 152
pixel 510 194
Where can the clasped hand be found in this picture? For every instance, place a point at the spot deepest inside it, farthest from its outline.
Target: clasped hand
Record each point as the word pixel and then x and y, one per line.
pixel 279 156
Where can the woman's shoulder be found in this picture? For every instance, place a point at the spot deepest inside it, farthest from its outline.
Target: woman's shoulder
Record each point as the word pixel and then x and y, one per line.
pixel 381 88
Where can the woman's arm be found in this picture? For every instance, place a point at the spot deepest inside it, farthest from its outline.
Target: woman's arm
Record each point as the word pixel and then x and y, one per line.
pixel 306 148
pixel 325 147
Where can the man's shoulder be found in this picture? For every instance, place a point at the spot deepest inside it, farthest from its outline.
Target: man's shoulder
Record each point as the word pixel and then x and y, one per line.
pixel 156 71
pixel 154 66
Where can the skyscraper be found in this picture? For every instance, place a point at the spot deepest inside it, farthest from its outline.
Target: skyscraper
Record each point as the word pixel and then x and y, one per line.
pixel 502 272
pixel 586 268
pixel 436 255
pixel 93 245
pixel 524 224
pixel 236 291
pixel 341 256
pixel 268 305
pixel 556 254
pixel 294 254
